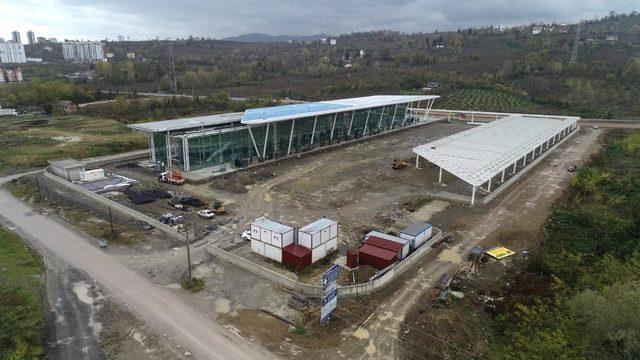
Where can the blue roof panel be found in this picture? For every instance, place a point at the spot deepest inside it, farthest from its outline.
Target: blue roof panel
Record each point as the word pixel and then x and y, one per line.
pixel 290 110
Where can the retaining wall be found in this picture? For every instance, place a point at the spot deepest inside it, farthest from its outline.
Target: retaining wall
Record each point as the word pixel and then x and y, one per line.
pixel 315 291
pixel 115 207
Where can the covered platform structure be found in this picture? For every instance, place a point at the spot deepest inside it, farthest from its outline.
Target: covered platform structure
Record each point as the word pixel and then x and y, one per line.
pixel 478 155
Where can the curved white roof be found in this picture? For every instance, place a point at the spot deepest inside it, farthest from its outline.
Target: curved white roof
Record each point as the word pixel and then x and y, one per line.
pixel 478 154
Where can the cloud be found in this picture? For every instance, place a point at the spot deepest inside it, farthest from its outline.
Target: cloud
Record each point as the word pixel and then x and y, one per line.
pixel 144 19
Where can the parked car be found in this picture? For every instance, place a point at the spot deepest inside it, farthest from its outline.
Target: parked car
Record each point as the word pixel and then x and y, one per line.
pixel 207 214
pixel 102 243
pixel 246 235
pixel 572 168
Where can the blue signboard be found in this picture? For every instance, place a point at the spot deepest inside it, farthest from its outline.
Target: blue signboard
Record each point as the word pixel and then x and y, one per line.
pixel 329 299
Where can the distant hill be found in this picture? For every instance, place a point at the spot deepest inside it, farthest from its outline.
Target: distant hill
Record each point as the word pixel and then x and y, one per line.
pixel 266 38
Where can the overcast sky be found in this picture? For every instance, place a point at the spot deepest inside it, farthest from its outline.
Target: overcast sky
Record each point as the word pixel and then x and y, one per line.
pixel 144 19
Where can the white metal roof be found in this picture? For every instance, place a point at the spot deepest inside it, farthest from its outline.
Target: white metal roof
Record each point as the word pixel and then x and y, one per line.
pixel 478 154
pixel 271 225
pixel 188 123
pixel 317 226
pixel 296 111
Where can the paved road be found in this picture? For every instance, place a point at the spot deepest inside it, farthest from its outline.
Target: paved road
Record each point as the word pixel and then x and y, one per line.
pixel 162 309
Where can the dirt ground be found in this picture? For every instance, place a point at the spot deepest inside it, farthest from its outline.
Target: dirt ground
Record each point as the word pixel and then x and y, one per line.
pixel 516 221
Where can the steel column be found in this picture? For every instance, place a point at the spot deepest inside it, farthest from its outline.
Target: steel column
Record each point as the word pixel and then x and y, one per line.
pixel 473 195
pixel 168 150
pixel 417 159
pixel 255 146
pixel 366 122
pixel 333 127
pixel 440 175
pixel 381 116
pixel 489 185
pixel 313 132
pixel 293 124
pixel 514 166
pixel 503 170
pixel 266 138
pixel 351 123
pixel 393 119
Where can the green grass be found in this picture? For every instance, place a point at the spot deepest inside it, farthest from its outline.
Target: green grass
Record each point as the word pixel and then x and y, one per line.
pixel 21 310
pixel 194 284
pixel 485 100
pixel 28 142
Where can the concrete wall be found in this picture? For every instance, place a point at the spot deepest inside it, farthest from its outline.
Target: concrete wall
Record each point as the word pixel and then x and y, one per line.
pixel 115 207
pixel 315 291
pixel 108 159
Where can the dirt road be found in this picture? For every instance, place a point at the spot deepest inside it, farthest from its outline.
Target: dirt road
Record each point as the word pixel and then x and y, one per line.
pixel 377 337
pixel 162 309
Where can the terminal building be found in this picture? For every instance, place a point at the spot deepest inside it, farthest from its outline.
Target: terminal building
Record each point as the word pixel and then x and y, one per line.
pixel 217 143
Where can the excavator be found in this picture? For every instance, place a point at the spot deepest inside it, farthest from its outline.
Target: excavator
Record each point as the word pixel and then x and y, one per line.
pixel 398 164
pixel 217 207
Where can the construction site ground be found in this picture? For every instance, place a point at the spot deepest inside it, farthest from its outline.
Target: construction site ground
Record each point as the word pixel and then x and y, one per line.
pixel 355 186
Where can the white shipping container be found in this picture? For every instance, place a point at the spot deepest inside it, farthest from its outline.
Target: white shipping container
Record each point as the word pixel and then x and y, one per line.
pixel 276 239
pixel 273 252
pixel 333 231
pixel 255 232
pixel 324 235
pixel 265 235
pixel 92 175
pixel 287 238
pixel 271 232
pixel 417 233
pixel 304 239
pixel 257 247
pixel 331 246
pixel 318 253
pixel 317 233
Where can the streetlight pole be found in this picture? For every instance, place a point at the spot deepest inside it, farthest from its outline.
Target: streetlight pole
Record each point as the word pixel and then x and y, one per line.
pixel 186 237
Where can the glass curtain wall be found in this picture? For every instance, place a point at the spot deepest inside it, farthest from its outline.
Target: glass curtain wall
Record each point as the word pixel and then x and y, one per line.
pixel 234 146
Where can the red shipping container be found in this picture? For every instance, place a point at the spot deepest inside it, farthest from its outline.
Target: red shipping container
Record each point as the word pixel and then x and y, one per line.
pixel 376 257
pixel 352 258
pixel 386 244
pixel 296 256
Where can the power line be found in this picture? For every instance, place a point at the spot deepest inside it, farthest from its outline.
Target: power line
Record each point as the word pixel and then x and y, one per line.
pixel 576 44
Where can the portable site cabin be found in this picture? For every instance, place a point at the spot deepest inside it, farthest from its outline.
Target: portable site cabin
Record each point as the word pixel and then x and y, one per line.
pixel 417 233
pixel 66 168
pixel 269 237
pixel 402 253
pixel 321 237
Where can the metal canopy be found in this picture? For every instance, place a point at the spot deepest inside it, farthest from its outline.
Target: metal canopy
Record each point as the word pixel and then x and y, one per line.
pixel 188 123
pixel 296 111
pixel 478 154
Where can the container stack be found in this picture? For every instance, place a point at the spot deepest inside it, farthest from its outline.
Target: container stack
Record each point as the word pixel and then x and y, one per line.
pixel 321 237
pixel 268 238
pixel 389 242
pixel 296 256
pixel 352 258
pixel 417 234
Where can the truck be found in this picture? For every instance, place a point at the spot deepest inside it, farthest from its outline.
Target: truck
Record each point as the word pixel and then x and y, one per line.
pixel 173 177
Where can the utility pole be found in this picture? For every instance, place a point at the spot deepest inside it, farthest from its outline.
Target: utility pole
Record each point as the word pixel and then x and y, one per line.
pixel 576 44
pixel 39 193
pixel 186 237
pixel 172 64
pixel 113 234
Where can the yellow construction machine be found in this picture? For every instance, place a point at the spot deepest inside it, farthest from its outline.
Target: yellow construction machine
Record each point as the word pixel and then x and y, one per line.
pixel 399 164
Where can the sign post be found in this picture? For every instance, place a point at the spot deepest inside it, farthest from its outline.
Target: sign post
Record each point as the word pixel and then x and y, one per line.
pixel 329 299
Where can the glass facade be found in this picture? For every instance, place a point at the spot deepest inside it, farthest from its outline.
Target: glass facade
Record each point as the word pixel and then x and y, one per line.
pixel 234 146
